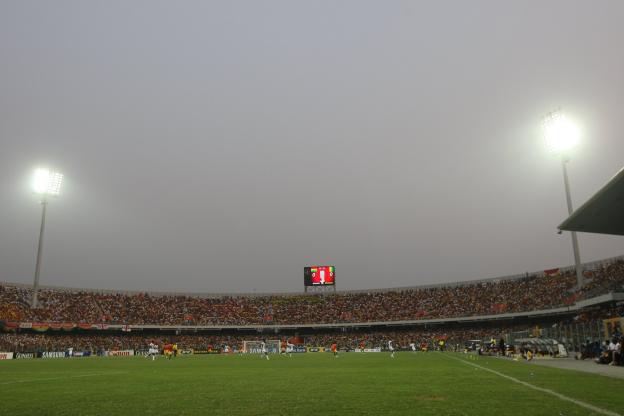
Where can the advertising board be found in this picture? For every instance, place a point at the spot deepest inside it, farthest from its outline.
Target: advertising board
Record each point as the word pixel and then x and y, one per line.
pixel 120 353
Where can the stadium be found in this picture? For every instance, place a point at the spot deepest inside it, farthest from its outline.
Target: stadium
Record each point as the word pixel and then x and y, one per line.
pixel 539 316
pixel 314 208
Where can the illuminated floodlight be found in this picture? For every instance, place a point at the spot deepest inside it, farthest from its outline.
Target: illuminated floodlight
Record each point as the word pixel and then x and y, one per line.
pixel 47 182
pixel 560 133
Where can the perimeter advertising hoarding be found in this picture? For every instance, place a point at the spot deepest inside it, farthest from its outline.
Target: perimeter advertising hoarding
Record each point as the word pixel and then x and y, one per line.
pixel 53 354
pixel 319 276
pixel 24 355
pixel 120 353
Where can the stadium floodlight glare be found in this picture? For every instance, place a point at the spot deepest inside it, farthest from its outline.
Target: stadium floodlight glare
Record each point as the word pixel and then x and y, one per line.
pixel 560 133
pixel 45 183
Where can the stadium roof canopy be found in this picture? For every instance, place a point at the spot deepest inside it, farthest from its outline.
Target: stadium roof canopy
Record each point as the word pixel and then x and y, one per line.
pixel 603 213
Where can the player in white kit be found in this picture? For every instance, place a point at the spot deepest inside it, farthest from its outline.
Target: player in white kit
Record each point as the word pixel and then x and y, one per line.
pixel 263 348
pixel 413 347
pixel 152 351
pixel 289 348
pixel 391 349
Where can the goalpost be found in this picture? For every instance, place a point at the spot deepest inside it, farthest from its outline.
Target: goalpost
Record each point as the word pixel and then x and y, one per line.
pixel 255 347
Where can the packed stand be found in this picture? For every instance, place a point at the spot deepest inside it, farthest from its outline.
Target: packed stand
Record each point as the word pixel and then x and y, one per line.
pixel 533 292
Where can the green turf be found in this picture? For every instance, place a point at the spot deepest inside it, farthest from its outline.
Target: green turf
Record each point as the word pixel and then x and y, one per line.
pixel 306 384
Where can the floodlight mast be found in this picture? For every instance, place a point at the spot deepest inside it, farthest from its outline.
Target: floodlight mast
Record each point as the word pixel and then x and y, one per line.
pixel 575 245
pixel 44 204
pixel 45 183
pixel 561 135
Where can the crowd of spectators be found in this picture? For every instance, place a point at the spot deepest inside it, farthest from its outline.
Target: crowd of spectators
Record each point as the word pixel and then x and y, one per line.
pixel 606 279
pixel 532 292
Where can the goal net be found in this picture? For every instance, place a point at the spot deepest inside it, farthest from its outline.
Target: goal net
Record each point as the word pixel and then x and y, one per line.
pixel 255 347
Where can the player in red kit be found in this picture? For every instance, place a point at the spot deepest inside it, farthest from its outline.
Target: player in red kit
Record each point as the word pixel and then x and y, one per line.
pixel 168 350
pixel 334 349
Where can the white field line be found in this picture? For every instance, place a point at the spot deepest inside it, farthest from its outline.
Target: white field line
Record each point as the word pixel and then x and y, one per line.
pixel 543 390
pixel 60 378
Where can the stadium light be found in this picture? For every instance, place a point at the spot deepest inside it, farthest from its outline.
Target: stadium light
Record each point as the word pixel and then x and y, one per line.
pixel 45 183
pixel 561 135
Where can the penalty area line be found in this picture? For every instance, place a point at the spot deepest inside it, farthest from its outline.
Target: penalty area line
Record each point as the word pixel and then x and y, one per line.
pixel 541 389
pixel 59 378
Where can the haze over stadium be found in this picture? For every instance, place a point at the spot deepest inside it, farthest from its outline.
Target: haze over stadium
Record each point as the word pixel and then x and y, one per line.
pixel 390 156
pixel 222 147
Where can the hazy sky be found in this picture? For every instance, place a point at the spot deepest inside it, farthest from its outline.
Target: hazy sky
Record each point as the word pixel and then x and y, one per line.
pixel 223 146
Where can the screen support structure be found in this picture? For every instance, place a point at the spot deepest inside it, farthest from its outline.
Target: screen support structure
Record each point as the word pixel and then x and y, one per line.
pixel 320 289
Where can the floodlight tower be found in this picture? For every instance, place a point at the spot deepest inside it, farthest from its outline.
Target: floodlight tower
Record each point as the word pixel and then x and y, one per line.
pixel 561 135
pixel 45 183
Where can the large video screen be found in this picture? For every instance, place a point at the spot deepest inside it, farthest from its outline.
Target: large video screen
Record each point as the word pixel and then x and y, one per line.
pixel 319 276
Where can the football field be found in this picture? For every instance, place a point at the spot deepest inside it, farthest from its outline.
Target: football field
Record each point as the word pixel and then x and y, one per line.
pixel 306 384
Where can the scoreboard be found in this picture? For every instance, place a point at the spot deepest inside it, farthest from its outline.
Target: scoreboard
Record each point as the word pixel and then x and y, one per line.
pixel 319 276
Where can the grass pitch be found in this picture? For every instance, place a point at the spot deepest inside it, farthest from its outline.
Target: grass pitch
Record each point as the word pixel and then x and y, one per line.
pixel 306 384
